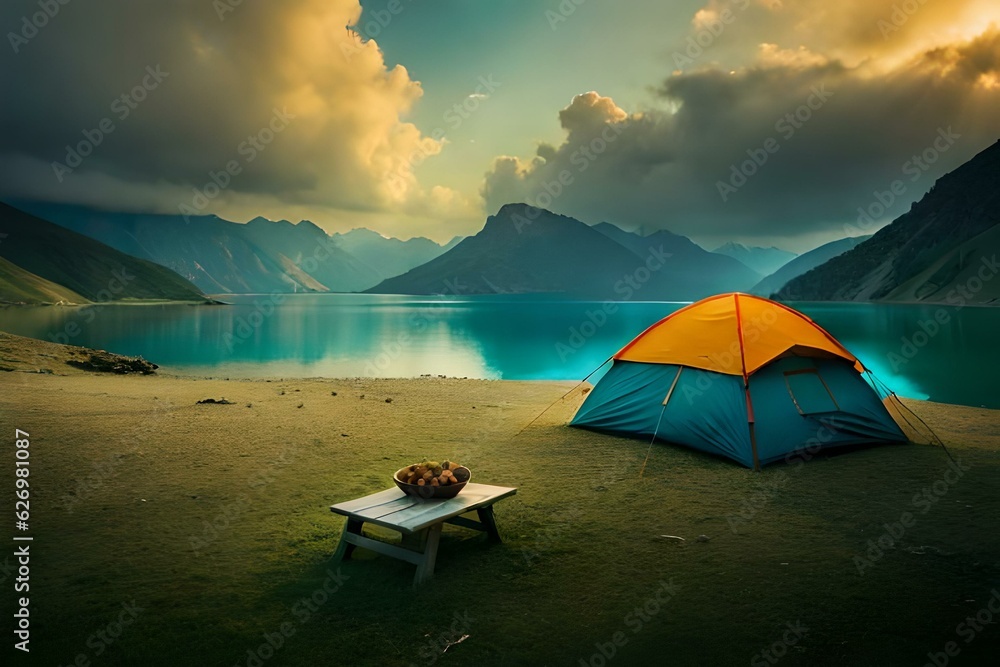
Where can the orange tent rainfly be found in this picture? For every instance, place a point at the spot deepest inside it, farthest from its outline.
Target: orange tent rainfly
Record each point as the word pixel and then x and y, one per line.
pixel 741 376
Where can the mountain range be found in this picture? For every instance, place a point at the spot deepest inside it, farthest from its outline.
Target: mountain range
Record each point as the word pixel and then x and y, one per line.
pixel 942 250
pixel 389 257
pixel 526 249
pixel 773 284
pixel 707 272
pixel 261 256
pixel 41 262
pixel 764 261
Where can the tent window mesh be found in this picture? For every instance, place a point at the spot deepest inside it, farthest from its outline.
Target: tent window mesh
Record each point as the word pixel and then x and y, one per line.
pixel 810 392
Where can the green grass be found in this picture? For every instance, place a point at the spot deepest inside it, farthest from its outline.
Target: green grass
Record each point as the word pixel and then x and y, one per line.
pixel 591 526
pixel 20 286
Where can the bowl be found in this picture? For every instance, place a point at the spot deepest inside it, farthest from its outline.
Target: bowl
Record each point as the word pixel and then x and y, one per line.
pixel 462 474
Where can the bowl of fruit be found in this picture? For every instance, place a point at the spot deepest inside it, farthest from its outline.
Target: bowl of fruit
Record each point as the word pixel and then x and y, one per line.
pixel 432 479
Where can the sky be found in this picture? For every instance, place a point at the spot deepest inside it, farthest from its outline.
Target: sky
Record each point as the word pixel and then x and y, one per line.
pixel 769 122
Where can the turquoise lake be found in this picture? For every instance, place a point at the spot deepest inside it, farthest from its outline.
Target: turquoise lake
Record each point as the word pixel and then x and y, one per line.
pixel 511 337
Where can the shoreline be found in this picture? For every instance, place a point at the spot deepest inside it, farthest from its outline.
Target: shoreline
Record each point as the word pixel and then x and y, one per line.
pixel 122 302
pixel 215 300
pixel 32 356
pixel 85 373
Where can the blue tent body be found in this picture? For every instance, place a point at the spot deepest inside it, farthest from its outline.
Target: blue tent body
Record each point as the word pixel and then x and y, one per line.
pixel 801 400
pixel 708 412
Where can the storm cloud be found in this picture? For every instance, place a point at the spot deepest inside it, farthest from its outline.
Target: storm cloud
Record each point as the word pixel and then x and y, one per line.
pixel 303 110
pixel 792 144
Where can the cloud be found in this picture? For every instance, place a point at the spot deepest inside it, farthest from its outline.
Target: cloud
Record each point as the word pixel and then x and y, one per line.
pixel 839 133
pixel 346 145
pixel 852 31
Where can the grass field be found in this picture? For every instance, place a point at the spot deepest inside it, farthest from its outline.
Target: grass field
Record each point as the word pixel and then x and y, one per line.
pixel 205 529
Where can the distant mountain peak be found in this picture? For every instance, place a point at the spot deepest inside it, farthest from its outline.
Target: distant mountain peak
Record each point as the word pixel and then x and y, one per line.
pixel 522 248
pixel 762 260
pixel 509 213
pixel 358 233
pixel 364 231
pixel 520 208
pixel 311 226
pixel 387 255
pixel 519 219
pixel 733 245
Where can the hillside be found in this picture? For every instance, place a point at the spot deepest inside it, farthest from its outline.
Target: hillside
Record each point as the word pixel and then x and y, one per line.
pixel 920 256
pixel 23 287
pixel 82 265
pixel 957 277
pixel 309 256
pixel 709 273
pixel 220 256
pixel 808 261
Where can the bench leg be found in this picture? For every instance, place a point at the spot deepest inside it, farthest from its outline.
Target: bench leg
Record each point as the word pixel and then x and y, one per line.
pixel 425 569
pixel 489 523
pixel 346 547
pixel 414 541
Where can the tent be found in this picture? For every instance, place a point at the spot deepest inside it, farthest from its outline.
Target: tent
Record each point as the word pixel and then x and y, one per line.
pixel 743 377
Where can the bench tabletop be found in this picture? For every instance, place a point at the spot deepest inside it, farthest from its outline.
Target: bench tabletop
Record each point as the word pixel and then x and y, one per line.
pixel 394 509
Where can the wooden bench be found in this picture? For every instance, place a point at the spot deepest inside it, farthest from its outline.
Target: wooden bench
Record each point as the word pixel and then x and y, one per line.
pixel 419 520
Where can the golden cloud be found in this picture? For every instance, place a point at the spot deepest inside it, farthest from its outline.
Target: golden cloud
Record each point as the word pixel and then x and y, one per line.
pixel 346 146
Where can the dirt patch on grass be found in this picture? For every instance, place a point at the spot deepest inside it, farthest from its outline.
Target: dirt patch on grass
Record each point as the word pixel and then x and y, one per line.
pixel 18 353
